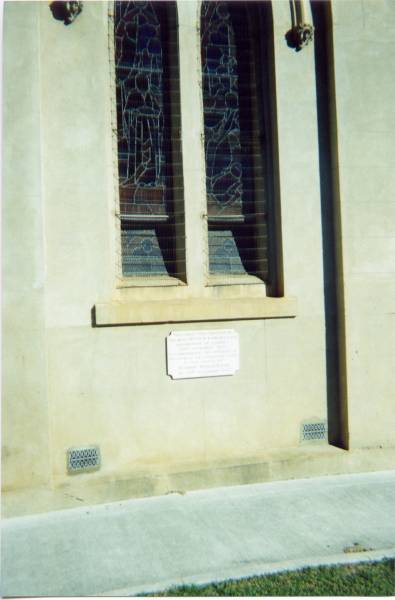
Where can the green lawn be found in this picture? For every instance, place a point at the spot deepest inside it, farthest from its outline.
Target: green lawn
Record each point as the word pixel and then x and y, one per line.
pixel 366 579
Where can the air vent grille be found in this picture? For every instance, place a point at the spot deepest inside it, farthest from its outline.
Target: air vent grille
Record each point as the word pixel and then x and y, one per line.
pixel 314 431
pixel 83 459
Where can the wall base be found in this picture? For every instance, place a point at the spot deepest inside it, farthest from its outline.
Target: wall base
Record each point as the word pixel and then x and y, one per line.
pixel 293 463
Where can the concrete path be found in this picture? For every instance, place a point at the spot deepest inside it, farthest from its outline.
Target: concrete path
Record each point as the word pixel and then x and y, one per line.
pixel 149 544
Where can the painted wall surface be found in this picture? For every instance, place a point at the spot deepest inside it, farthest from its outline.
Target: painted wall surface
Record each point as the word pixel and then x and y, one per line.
pixel 68 383
pixel 25 428
pixel 363 38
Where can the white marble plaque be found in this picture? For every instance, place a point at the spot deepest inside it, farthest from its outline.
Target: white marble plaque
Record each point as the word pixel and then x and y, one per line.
pixel 208 353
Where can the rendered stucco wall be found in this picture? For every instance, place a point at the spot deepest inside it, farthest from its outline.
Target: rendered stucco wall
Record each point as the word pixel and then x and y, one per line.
pixel 365 86
pixel 24 402
pixel 108 385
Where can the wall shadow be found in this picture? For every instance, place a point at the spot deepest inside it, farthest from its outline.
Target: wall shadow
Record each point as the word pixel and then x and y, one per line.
pixel 331 231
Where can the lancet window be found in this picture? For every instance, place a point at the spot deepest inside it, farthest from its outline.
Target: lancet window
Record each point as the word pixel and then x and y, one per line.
pixel 149 156
pixel 234 133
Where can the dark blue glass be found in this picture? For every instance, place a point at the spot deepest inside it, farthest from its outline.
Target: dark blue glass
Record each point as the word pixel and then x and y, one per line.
pixel 221 112
pixel 144 185
pixel 139 76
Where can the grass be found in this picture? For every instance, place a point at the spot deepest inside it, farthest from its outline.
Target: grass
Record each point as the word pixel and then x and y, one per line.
pixel 363 579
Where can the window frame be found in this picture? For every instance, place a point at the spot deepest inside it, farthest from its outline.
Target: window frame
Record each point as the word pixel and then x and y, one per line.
pixel 148 300
pixel 169 14
pixel 260 23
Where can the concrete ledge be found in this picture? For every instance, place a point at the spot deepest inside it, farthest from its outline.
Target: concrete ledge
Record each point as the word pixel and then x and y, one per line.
pixel 157 480
pixel 172 311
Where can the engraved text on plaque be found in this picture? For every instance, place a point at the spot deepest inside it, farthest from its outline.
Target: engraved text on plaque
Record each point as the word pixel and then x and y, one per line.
pixel 202 353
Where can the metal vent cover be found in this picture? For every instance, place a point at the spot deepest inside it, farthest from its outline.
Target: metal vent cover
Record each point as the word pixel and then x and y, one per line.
pixel 312 431
pixel 86 458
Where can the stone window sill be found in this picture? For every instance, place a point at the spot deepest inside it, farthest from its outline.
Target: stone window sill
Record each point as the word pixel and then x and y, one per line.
pixel 192 309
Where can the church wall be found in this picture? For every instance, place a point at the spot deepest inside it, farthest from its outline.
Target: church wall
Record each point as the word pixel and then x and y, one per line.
pixel 107 385
pixel 25 429
pixel 366 125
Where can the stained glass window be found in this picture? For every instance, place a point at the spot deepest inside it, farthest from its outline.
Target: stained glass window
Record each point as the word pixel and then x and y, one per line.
pixel 236 203
pixel 146 66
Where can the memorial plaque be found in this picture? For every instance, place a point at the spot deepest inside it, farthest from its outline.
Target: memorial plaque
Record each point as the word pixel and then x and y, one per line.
pixel 208 353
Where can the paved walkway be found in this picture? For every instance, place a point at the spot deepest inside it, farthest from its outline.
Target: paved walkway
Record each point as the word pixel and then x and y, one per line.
pixel 148 544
